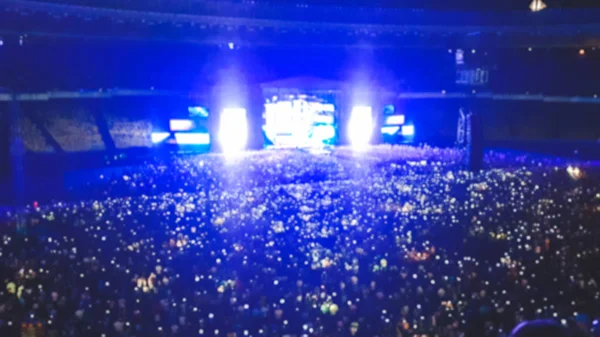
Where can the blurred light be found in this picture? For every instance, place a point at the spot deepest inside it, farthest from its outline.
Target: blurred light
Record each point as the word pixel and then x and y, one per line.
pixel 181 124
pixel 233 129
pixel 185 138
pixel 390 130
pixel 574 172
pixel 581 52
pixel 360 126
pixel 473 51
pixel 408 130
pixel 323 132
pixel 530 49
pixel 328 107
pixel 460 57
pixel 1 42
pixel 394 120
pixel 389 110
pixel 537 5
pixel 231 45
pixel 158 137
pixel 324 119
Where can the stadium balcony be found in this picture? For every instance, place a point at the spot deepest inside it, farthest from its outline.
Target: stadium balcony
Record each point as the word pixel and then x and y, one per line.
pixel 210 22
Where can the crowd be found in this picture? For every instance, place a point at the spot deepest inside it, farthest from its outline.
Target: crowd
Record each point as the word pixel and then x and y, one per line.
pixel 78 131
pixel 32 138
pixel 74 130
pixel 395 241
pixel 128 133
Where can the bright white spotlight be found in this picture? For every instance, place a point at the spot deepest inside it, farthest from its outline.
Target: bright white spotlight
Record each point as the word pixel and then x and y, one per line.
pixel 233 129
pixel 537 5
pixel 158 137
pixel 360 126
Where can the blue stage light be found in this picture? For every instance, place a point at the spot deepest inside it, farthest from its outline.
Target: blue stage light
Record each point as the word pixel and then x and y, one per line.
pixel 158 137
pixel 408 130
pixel 192 138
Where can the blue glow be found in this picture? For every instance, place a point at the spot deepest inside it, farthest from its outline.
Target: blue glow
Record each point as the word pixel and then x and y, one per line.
pixel 198 111
pixel 158 137
pixel 192 138
pixel 390 130
pixel 389 109
pixel 408 130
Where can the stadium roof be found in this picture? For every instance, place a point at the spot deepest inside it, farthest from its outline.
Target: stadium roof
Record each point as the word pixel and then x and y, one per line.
pixel 169 5
pixel 244 23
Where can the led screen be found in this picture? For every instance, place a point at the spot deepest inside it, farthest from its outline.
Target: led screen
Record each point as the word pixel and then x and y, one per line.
pixel 299 122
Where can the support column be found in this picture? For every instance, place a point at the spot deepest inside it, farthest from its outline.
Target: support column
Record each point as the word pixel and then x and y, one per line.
pixel 17 154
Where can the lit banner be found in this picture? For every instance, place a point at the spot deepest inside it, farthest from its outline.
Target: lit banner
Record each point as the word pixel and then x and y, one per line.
pixel 299 122
pixel 394 120
pixel 185 138
pixel 181 124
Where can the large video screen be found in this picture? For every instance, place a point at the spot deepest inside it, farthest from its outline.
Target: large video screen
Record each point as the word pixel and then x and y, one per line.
pixel 299 121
